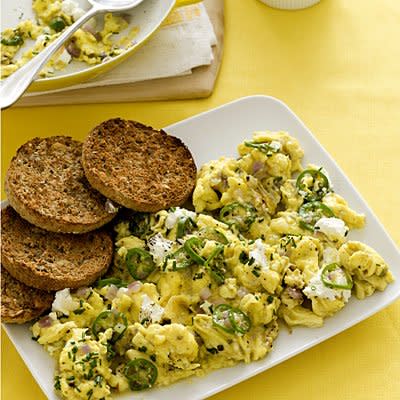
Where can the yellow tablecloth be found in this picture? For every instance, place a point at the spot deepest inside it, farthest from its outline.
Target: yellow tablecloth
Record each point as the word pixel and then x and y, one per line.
pixel 337 65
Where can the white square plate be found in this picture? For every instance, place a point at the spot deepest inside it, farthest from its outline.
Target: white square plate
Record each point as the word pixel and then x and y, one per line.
pixel 209 136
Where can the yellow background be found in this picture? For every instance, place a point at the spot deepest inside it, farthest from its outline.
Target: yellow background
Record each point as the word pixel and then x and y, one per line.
pixel 337 65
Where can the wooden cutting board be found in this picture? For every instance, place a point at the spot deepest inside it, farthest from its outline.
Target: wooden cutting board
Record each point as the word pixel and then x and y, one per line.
pixel 199 84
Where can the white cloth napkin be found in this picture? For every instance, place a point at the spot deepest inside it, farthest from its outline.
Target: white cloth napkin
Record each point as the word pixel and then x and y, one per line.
pixel 183 42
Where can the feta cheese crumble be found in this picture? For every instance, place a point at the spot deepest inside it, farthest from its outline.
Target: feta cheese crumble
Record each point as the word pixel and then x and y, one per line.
pixel 258 253
pixel 64 302
pixel 316 288
pixel 333 228
pixel 329 256
pixel 159 247
pixel 176 215
pixel 71 7
pixel 150 311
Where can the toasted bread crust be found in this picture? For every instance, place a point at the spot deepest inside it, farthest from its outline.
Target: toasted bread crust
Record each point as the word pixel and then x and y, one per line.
pixel 21 303
pixel 137 166
pixel 52 261
pixel 45 184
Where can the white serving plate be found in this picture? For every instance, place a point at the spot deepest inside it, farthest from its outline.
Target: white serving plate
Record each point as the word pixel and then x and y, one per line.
pixel 210 135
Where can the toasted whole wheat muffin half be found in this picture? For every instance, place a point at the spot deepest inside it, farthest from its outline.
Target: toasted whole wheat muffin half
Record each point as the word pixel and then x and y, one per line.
pixel 52 261
pixel 21 303
pixel 46 185
pixel 137 166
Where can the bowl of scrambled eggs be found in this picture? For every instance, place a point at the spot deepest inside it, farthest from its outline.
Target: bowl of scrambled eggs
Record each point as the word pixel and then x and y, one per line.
pixel 101 44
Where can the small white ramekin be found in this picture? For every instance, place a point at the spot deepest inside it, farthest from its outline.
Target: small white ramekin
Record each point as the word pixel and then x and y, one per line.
pixel 290 4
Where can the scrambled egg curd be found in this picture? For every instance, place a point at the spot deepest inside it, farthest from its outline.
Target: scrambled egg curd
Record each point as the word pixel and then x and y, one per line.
pixel 93 44
pixel 193 291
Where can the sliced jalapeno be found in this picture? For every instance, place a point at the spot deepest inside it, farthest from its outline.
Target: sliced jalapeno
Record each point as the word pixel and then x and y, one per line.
pixel 193 247
pixel 213 266
pixel 213 234
pixel 139 225
pixel 239 320
pixel 184 226
pixel 15 40
pixel 140 263
pixel 110 319
pixel 182 259
pixel 111 281
pixel 241 215
pixel 335 277
pixel 57 24
pixel 312 212
pixel 314 190
pixel 264 147
pixel 141 374
pixel 230 319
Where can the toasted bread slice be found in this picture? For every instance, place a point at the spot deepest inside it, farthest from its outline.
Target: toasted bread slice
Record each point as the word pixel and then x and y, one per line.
pixel 137 166
pixel 21 303
pixel 46 185
pixel 52 261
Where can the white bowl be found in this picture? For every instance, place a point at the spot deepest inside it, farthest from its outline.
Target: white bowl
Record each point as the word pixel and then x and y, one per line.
pixel 290 4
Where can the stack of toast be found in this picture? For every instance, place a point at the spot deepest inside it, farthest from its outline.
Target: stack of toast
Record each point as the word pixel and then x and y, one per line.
pixel 63 194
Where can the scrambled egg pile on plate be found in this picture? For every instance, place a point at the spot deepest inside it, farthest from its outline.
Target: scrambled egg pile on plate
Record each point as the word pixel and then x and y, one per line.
pixel 93 44
pixel 192 291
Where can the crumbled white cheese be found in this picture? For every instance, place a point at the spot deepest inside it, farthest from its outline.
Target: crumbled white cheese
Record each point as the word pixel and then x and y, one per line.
pixel 110 207
pixel 333 228
pixel 316 288
pixel 207 307
pixel 175 216
pixel 64 302
pixel 150 311
pixel 275 145
pixel 159 247
pixel 64 57
pixel 71 7
pixel 122 291
pixel 258 253
pixel 330 256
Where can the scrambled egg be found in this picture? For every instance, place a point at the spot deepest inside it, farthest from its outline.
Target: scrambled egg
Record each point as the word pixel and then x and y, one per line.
pixel 93 44
pixel 192 291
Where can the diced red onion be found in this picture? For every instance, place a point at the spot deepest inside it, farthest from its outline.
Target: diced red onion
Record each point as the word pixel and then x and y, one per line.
pixel 85 349
pixel 72 49
pixel 45 322
pixel 257 166
pixel 111 292
pixel 83 291
pixel 242 291
pixel 294 293
pixel 134 287
pixel 205 293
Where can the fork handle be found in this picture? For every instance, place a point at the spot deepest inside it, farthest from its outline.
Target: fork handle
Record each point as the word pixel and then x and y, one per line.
pixel 14 86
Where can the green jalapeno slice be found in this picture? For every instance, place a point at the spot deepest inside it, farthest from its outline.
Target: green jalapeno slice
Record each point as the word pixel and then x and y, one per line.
pixel 57 24
pixel 181 258
pixel 213 234
pixel 111 281
pixel 318 187
pixel 312 212
pixel 193 247
pixel 241 215
pixel 141 374
pixel 110 319
pixel 335 277
pixel 213 265
pixel 140 263
pixel 15 40
pixel 264 147
pixel 185 224
pixel 230 319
